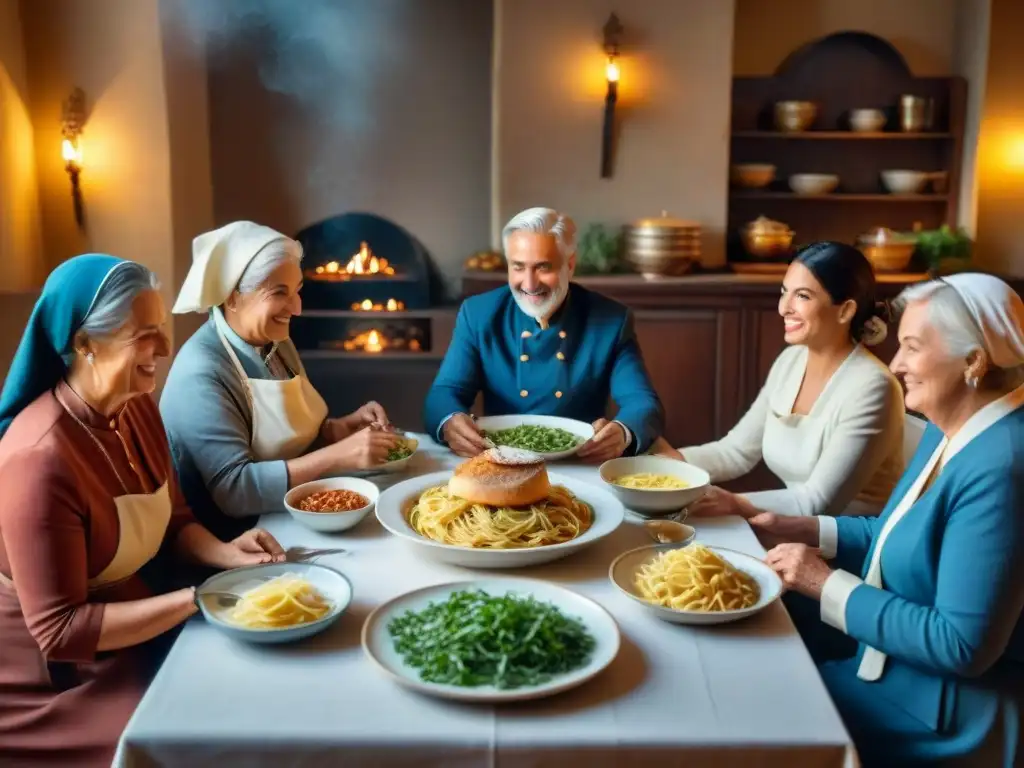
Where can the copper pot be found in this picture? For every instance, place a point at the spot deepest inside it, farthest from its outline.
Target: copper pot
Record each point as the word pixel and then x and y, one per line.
pixel 662 246
pixel 887 251
pixel 795 116
pixel 766 239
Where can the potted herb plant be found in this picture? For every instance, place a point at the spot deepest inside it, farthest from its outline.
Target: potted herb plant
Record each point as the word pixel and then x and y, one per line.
pixel 945 250
pixel 598 251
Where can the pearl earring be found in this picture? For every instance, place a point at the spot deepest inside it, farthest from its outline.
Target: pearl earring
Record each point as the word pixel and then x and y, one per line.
pixel 90 358
pixel 972 381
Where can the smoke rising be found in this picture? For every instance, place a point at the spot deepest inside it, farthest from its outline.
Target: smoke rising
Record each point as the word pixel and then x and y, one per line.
pixel 323 53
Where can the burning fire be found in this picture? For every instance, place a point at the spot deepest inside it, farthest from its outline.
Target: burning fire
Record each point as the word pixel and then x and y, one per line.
pixel 367 341
pixel 361 264
pixel 366 305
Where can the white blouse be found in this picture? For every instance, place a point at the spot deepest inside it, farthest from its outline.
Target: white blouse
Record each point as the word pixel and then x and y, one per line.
pixel 849 448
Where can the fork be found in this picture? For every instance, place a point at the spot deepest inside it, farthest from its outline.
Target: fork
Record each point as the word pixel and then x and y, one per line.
pixel 303 555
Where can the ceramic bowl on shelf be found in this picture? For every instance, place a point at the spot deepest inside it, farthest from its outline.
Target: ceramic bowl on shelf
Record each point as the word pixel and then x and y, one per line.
pixel 795 116
pixel 867 120
pixel 813 183
pixel 887 251
pixel 752 175
pixel 900 182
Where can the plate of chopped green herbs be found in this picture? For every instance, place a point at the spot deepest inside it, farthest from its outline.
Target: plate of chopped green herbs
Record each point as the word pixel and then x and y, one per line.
pixel 491 640
pixel 552 437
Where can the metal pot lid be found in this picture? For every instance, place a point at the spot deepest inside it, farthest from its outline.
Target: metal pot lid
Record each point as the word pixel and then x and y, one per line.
pixel 665 222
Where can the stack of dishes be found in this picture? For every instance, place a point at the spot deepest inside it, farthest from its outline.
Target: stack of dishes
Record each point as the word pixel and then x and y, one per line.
pixel 663 246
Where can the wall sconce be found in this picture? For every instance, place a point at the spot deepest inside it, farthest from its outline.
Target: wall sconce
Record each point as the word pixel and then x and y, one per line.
pixel 612 35
pixel 72 122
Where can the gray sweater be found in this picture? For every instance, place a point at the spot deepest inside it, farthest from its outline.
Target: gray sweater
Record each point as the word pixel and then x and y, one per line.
pixel 209 425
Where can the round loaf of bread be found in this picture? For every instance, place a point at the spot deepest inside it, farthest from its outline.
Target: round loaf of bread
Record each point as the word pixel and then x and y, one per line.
pixel 483 480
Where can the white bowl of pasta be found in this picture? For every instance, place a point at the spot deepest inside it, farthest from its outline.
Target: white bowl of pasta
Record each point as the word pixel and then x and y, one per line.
pixel 573 516
pixel 333 504
pixel 654 484
pixel 695 584
pixel 281 602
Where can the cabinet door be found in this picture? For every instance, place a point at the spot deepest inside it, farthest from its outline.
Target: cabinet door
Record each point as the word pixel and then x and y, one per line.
pixel 690 357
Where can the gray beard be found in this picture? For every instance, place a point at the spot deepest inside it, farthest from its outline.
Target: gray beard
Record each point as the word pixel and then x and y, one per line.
pixel 554 301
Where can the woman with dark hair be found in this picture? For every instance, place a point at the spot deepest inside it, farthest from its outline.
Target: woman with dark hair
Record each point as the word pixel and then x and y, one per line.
pixel 829 420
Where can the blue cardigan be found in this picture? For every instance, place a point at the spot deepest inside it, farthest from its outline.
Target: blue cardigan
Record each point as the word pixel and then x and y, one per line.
pixel 587 355
pixel 949 618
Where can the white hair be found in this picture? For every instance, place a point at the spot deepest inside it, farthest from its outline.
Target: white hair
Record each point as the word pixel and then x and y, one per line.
pixel 112 306
pixel 960 333
pixel 544 221
pixel 269 258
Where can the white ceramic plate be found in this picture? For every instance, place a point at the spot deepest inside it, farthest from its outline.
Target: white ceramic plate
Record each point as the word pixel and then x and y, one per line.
pixel 581 429
pixel 378 646
pixel 332 584
pixel 331 522
pixel 394 503
pixel 394 466
pixel 623 572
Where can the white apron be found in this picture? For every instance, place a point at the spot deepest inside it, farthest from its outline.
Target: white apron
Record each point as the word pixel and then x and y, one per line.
pixel 286 415
pixel 872 663
pixel 142 525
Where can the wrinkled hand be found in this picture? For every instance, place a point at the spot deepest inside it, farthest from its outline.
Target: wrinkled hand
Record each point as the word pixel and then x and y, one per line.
pixel 608 442
pixel 370 413
pixel 718 502
pixel 253 547
pixel 464 436
pixel 800 567
pixel 367 448
pixel 772 530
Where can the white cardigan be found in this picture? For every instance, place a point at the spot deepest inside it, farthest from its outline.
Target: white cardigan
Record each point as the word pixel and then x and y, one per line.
pixel 848 448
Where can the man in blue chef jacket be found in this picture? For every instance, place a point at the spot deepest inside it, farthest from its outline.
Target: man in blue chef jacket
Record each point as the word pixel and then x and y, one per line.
pixel 544 346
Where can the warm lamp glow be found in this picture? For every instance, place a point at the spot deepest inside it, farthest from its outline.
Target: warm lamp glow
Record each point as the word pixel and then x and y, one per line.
pixel 1015 152
pixel 611 71
pixel 71 153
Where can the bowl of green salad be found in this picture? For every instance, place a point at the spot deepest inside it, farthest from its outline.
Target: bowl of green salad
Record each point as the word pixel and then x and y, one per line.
pixel 551 437
pixel 398 458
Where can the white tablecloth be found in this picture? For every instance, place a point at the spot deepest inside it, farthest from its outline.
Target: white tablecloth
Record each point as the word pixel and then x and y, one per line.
pixel 740 694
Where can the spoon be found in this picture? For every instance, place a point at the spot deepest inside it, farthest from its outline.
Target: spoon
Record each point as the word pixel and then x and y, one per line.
pixel 669 531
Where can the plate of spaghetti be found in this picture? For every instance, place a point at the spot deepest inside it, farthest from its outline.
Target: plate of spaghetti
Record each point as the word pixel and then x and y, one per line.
pixel 695 584
pixel 280 602
pixel 499 510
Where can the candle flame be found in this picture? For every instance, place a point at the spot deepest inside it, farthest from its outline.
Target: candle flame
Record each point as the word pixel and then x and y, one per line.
pixel 71 152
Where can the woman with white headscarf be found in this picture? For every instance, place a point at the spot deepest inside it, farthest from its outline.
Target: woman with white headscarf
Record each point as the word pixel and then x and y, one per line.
pixel 244 422
pixel 927 599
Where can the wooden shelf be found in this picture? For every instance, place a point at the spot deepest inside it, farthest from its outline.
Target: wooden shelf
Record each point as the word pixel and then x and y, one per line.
pixel 841 135
pixel 843 197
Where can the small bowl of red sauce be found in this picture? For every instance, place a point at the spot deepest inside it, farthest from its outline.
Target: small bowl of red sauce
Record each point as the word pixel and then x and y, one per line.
pixel 332 504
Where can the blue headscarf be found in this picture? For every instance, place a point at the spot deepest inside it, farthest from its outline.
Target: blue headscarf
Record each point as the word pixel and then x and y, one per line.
pixel 38 365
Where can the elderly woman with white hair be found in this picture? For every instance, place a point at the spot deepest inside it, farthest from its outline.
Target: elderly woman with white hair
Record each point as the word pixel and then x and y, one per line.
pixel 244 422
pixel 89 499
pixel 924 603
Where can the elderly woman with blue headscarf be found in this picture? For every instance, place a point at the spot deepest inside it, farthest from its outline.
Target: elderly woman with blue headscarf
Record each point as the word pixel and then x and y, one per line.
pixel 923 604
pixel 244 422
pixel 89 498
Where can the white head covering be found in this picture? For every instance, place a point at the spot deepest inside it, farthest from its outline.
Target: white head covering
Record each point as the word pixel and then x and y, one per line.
pixel 999 313
pixel 218 260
